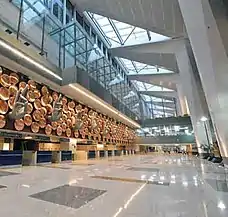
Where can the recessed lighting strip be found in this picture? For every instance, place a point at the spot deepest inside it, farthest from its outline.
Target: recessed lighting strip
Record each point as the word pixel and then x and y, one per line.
pixel 48 71
pixel 28 59
pixel 105 106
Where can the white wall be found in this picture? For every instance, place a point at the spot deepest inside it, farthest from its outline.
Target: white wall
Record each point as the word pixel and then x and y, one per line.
pixel 212 62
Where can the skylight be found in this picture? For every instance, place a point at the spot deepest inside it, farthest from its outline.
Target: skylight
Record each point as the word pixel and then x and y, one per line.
pixel 120 33
pixel 141 68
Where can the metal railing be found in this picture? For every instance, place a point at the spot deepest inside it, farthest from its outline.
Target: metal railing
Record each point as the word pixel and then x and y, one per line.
pixel 64 45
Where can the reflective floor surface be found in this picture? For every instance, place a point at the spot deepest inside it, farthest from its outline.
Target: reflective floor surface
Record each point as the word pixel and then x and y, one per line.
pixel 136 186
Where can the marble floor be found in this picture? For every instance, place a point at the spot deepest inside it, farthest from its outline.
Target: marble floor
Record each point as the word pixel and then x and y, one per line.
pixel 133 186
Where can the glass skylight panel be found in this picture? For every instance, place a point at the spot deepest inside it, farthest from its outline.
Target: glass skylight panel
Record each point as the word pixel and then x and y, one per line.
pixel 146 98
pixel 32 1
pixel 118 34
pixel 108 29
pixel 129 95
pixel 148 86
pixel 29 14
pixel 118 79
pixel 25 5
pixel 139 65
pixel 156 99
pixel 158 88
pixel 169 109
pixel 166 108
pixel 154 70
pixel 128 33
pixel 140 85
pixel 141 68
pixel 39 7
pixel 99 17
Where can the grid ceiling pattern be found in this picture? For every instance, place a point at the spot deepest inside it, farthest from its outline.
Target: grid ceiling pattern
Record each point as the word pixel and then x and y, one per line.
pixel 141 68
pixel 118 34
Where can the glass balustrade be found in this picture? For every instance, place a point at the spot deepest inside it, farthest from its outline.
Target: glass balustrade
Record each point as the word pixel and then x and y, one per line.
pixel 63 41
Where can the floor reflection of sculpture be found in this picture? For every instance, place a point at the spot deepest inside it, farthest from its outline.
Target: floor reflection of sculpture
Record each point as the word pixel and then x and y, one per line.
pixel 57 110
pixel 20 105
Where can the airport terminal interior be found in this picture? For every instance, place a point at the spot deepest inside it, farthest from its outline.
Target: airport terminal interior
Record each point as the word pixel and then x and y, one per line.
pixel 113 108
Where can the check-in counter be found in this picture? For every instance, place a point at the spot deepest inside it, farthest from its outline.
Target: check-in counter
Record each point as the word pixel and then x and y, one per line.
pixel 118 152
pixel 44 157
pixel 81 155
pixel 10 158
pixel 66 155
pixel 29 158
pixel 56 157
pixel 91 154
pixel 110 153
pixel 102 153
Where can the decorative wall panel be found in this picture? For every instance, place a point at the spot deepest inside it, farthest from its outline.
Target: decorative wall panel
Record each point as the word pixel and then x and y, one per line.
pixel 32 107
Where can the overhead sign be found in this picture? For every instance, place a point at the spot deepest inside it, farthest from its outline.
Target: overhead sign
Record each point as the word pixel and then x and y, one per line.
pixel 10 135
pixel 42 138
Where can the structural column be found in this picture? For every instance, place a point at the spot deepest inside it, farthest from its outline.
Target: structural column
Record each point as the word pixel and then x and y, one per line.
pixel 181 101
pixel 212 63
pixel 191 91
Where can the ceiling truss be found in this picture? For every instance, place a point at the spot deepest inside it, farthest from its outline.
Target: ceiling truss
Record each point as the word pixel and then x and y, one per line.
pixel 119 34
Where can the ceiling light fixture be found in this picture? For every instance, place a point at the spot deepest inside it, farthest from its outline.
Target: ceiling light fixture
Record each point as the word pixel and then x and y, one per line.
pixel 28 137
pixel 104 105
pixel 221 205
pixel 203 119
pixel 29 59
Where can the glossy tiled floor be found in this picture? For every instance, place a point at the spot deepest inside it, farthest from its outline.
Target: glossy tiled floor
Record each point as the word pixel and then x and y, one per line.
pixel 138 186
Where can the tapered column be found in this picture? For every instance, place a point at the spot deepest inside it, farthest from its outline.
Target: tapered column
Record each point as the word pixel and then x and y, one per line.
pixel 181 101
pixel 192 93
pixel 212 63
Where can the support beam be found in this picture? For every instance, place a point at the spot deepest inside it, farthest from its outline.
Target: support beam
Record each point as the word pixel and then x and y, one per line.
pixel 166 104
pixel 160 94
pixel 162 17
pixel 172 112
pixel 192 91
pixel 188 87
pixel 167 80
pixel 116 31
pixel 163 60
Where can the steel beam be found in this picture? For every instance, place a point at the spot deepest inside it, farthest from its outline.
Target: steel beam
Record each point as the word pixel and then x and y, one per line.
pixel 116 31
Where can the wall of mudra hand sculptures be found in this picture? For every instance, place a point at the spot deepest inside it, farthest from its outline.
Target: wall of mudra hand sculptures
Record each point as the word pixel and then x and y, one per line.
pixel 31 107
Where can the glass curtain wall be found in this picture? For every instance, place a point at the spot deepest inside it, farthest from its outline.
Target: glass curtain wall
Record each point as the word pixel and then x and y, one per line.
pixel 167 130
pixel 65 38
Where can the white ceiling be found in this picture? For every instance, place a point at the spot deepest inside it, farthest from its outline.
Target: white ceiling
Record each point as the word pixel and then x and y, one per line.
pixel 159 16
